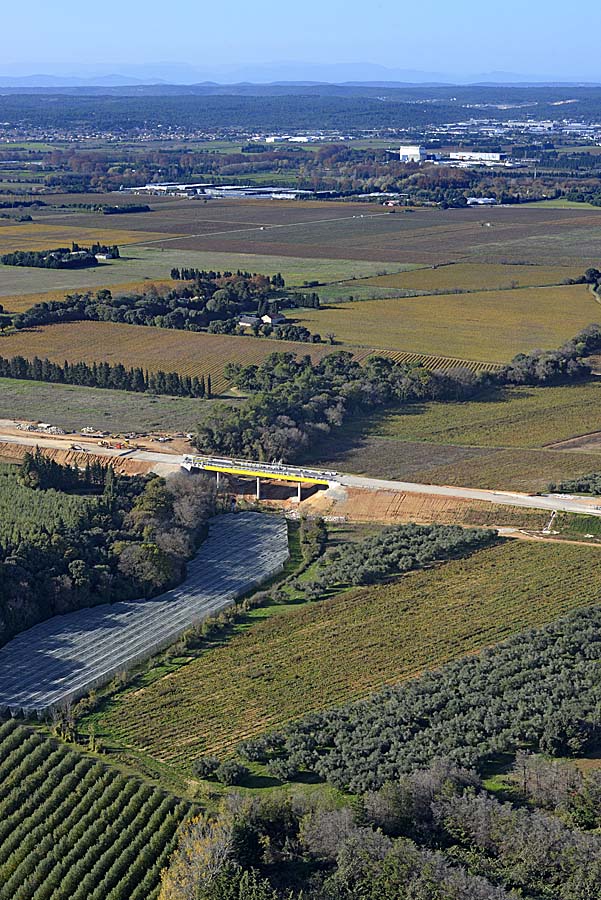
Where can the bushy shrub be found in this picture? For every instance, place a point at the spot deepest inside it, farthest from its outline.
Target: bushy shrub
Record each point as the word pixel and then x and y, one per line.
pixel 231 772
pixel 205 766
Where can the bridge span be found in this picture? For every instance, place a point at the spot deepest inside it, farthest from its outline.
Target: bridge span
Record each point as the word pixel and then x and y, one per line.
pixel 247 468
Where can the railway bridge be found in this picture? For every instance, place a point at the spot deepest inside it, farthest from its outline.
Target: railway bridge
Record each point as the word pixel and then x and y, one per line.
pixel 246 468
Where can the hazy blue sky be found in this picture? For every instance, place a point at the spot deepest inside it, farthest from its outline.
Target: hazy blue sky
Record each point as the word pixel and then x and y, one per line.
pixel 459 36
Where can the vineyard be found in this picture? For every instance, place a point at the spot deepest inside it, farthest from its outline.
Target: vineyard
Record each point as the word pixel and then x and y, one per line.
pixel 474 277
pixel 491 326
pixel 184 352
pixel 318 655
pixel 34 236
pixel 188 353
pixel 440 363
pixel 73 829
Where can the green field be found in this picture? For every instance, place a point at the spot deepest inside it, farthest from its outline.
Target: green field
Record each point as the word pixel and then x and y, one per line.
pixel 72 828
pixel 563 204
pixel 322 654
pixel 74 407
pixel 510 417
pixel 497 441
pixel 475 277
pixel 155 263
pixel 488 325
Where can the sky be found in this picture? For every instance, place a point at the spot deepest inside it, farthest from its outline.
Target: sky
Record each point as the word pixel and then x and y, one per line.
pixel 463 37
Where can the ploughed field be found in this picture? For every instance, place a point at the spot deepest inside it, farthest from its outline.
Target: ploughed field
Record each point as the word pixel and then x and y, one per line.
pixel 58 660
pixel 358 231
pixel 332 651
pixel 72 828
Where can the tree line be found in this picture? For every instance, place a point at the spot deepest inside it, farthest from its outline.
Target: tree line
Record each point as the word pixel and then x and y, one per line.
pixel 294 402
pixel 42 473
pixel 107 375
pixel 584 484
pixel 212 302
pixel 130 537
pixel 60 257
pixel 434 833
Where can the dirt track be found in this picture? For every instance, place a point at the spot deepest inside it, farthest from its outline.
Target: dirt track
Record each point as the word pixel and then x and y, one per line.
pixel 123 465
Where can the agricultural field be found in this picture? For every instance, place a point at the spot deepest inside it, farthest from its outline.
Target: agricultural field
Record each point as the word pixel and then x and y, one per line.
pixel 17 303
pixel 491 326
pixel 154 263
pixel 504 440
pixel 75 829
pixel 35 236
pixel 188 353
pixel 312 657
pixel 514 470
pixel 361 231
pixel 474 277
pixel 73 407
pixel 506 417
pixel 426 463
pixel 185 352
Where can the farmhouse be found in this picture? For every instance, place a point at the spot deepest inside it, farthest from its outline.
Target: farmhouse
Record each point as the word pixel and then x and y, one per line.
pixel 274 319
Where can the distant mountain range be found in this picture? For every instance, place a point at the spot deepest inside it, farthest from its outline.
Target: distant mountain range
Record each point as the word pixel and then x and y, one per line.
pixel 288 74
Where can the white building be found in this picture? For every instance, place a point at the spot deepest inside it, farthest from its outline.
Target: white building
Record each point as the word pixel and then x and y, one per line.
pixel 477 156
pixel 481 201
pixel 411 153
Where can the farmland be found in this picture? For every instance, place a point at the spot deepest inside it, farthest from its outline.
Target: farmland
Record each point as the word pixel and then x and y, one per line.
pixel 138 263
pixel 73 407
pixel 511 469
pixel 32 236
pixel 72 828
pixel 508 417
pixel 491 326
pixel 549 237
pixel 496 441
pixel 188 353
pixel 313 657
pixel 474 277
pixel 16 303
pixel 329 242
